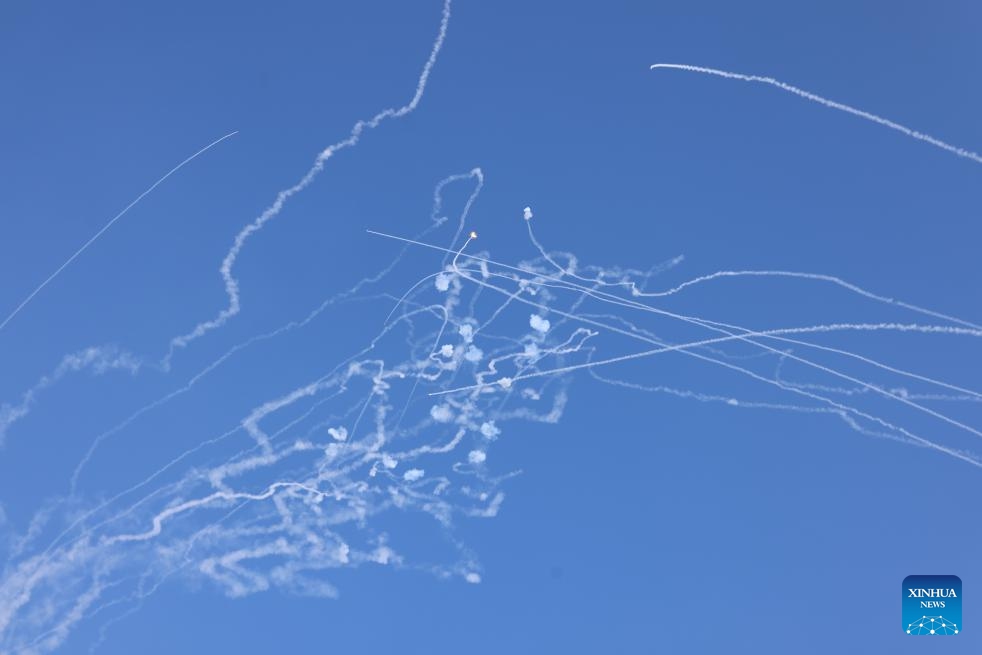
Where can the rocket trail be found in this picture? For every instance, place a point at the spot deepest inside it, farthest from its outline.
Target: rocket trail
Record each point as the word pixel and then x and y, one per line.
pixel 832 104
pixel 108 225
pixel 231 283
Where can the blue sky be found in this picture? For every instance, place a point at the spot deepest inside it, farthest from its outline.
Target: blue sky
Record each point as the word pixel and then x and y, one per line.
pixel 640 522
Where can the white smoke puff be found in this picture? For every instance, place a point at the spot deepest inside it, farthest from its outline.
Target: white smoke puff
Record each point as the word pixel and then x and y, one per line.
pixel 528 213
pixel 531 394
pixel 441 413
pixel 467 331
pixel 383 555
pixel 397 498
pixel 493 507
pixel 412 475
pixel 505 382
pixel 538 323
pixel 473 354
pixel 490 430
pixel 532 350
pixel 473 578
pixel 342 553
pixel 389 462
pixel 476 456
pixel 338 434
pixel 446 350
pixel 524 285
pixel 442 282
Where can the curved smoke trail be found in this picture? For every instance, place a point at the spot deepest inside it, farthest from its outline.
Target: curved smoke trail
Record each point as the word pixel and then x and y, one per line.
pixel 268 214
pixel 105 227
pixel 348 467
pixel 832 104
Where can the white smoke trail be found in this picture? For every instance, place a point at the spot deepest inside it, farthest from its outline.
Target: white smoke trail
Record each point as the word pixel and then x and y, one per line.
pixel 807 95
pixel 818 277
pixel 327 461
pixel 507 382
pixel 903 398
pixel 105 227
pixel 298 499
pixel 745 336
pixel 99 360
pixel 751 404
pixel 738 337
pixel 231 283
pixel 973 330
pixel 775 333
pixel 436 220
pixel 633 287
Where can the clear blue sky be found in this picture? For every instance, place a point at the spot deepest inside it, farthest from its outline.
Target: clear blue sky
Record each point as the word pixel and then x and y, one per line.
pixel 641 523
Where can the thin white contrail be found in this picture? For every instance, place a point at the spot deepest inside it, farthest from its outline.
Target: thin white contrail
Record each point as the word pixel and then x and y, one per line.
pixel 99 360
pixel 973 330
pixel 686 351
pixel 667 349
pixel 773 334
pixel 255 414
pixel 232 284
pixel 832 104
pixel 436 222
pixel 108 225
pixel 686 348
pixel 747 334
pixel 158 520
pixel 818 277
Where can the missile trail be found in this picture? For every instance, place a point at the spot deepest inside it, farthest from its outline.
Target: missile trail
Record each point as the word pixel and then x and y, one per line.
pixel 232 291
pixel 832 104
pixel 108 225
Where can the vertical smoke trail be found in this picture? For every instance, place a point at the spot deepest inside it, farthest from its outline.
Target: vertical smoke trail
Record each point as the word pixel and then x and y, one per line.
pixel 832 104
pixel 479 176
pixel 108 225
pixel 231 283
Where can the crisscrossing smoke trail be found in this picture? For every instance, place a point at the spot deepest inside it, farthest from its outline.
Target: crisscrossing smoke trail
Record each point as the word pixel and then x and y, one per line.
pixel 394 438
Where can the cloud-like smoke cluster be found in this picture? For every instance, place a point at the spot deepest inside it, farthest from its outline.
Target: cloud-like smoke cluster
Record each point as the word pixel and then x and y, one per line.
pixel 396 439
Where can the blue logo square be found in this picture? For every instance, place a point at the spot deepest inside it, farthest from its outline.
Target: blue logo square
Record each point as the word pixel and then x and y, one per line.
pixel 932 605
